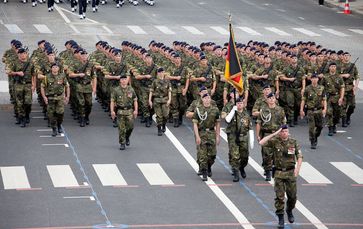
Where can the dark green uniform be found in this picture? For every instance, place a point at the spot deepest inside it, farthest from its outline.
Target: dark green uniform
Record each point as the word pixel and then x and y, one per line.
pixel 349 96
pixel 207 73
pixel 160 89
pixel 333 84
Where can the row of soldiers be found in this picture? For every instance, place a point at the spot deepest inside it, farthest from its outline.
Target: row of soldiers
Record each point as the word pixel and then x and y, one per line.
pixel 281 83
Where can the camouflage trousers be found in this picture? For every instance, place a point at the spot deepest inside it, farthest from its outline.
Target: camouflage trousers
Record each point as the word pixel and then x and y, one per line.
pixel 285 182
pixel 162 113
pixel 315 120
pixel 334 111
pixel 23 98
pixel 266 153
pixel 11 89
pixel 55 110
pixel 84 101
pixel 144 102
pixel 349 104
pixel 125 125
pixel 238 153
pixel 207 149
pixel 178 104
pixel 293 100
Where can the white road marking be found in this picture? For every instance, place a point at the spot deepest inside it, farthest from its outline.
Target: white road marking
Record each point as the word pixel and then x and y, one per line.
pixel 335 32
pixel 56 144
pixel 351 170
pixel 14 177
pixel 281 10
pixel 107 29
pixel 220 30
pixel 136 29
pixel 50 136
pixel 250 31
pixel 164 29
pixel 109 174
pixel 307 32
pixel 13 28
pixel 1 22
pixel 44 130
pixel 79 197
pixel 210 183
pixel 306 212
pixel 301 18
pixel 193 30
pixel 42 28
pixel 360 85
pixel 62 176
pixel 154 174
pixel 359 31
pixel 59 10
pixel 74 28
pixel 312 175
pixel 4 86
pixel 277 31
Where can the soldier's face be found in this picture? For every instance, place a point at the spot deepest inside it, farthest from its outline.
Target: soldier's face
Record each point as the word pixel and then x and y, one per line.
pixel 23 55
pixel 284 134
pixel 204 62
pixel 346 57
pixel 206 100
pixel 271 100
pixel 240 105
pixel 55 69
pixel 51 57
pixel 118 58
pixel 313 58
pixel 314 80
pixel 123 81
pixel 266 91
pixel 332 68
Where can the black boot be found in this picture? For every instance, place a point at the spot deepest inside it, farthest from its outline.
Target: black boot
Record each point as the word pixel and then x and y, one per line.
pixel 27 119
pixel 18 121
pixel 160 133
pixel 143 120
pixel 209 171
pixel 176 122
pixel 86 120
pixel 243 173
pixel 82 122
pixel 122 147
pixel 334 129
pixel 235 175
pixel 163 128
pixel 312 143
pixel 281 221
pixel 291 123
pixel 268 175
pixel 290 216
pixel 344 122
pixel 60 129
pixel 54 133
pixel 199 171
pixel 180 121
pixel 147 122
pixel 204 175
pixel 23 122
pixel 348 120
pixel 330 131
pixel 170 120
pixel 127 141
pixel 115 123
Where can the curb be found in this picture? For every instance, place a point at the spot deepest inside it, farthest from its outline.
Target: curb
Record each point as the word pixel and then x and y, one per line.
pixel 337 6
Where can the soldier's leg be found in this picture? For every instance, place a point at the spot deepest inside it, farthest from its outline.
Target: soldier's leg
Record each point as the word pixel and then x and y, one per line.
pixel 350 100
pixel 28 99
pixel 11 89
pixel 60 114
pixel 290 106
pixel 121 128
pixel 336 114
pixel 244 154
pixel 51 110
pixel 88 106
pixel 165 113
pixel 234 156
pixel 312 126
pixel 329 117
pixel 19 100
pixel 81 108
pixel 145 106
pixel 129 128
pixel 291 192
pixel 319 125
pixel 182 107
pixel 203 159
pixel 280 196
pixel 174 109
pixel 297 102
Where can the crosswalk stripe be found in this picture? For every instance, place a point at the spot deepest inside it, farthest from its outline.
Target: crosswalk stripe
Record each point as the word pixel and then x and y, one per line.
pixel 360 85
pixel 14 177
pixel 307 32
pixel 62 176
pixel 136 29
pixel 164 29
pixel 312 176
pixel 359 31
pixel 109 174
pixel 277 31
pixel 154 174
pixel 220 30
pixel 4 86
pixel 335 32
pixel 13 28
pixel 42 28
pixel 351 170
pixel 193 30
pixel 250 31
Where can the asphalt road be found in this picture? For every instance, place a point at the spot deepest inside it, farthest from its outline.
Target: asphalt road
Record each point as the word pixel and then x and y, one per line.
pixel 82 180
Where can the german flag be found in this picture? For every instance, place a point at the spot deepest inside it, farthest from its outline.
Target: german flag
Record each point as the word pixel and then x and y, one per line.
pixel 233 71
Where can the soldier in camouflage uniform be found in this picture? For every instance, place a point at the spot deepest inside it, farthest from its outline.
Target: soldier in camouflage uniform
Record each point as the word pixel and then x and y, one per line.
pixel 23 72
pixel 239 123
pixel 160 99
pixel 287 159
pixel 350 75
pixel 270 119
pixel 55 92
pixel 206 125
pixel 292 79
pixel 124 99
pixel 86 83
pixel 179 79
pixel 315 101
pixel 334 88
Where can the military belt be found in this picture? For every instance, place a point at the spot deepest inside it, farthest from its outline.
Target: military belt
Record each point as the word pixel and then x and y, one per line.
pixel 206 129
pixel 124 108
pixel 284 169
pixel 314 109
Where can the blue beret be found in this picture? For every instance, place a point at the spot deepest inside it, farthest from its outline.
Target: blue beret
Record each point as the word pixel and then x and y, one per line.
pixel 160 70
pixel 22 50
pixel 41 41
pixel 284 127
pixel 205 95
pixel 202 88
pixel 270 95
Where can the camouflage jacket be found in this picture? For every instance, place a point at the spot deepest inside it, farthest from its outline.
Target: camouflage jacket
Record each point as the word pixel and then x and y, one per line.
pixel 124 99
pixel 271 119
pixel 160 89
pixel 241 122
pixel 54 85
pixel 314 96
pixel 349 82
pixel 206 117
pixel 333 84
pixel 294 72
pixel 27 67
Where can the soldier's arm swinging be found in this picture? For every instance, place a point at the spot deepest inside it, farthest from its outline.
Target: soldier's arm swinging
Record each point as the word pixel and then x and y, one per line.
pixel 136 108
pixel 94 85
pixel 258 130
pixel 150 99
pixel 268 137
pixel 218 130
pixel 42 92
pixel 341 97
pixel 302 106
pixel 112 109
pixel 298 166
pixel 196 133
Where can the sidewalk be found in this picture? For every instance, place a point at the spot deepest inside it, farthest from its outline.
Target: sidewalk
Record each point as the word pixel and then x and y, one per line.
pixel 356 6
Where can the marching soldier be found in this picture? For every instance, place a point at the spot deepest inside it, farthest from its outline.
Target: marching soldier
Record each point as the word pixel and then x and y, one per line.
pixel 160 99
pixel 270 119
pixel 206 125
pixel 23 73
pixel 124 99
pixel 287 159
pixel 239 124
pixel 315 101
pixel 335 88
pixel 55 92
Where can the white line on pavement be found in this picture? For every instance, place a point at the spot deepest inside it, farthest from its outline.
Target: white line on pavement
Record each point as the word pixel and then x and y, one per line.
pixel 42 28
pixel 109 174
pixel 359 31
pixel 360 85
pixel 14 177
pixel 79 197
pixel 154 174
pixel 312 175
pixel 193 30
pixel 307 32
pixel 210 183
pixel 107 29
pixel 220 30
pixel 351 170
pixel 74 29
pixel 4 86
pixel 62 176
pixel 136 29
pixel 250 31
pixel 59 10
pixel 13 28
pixel 56 144
pixel 165 29
pixel 335 32
pixel 44 130
pixel 306 212
pixel 277 31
